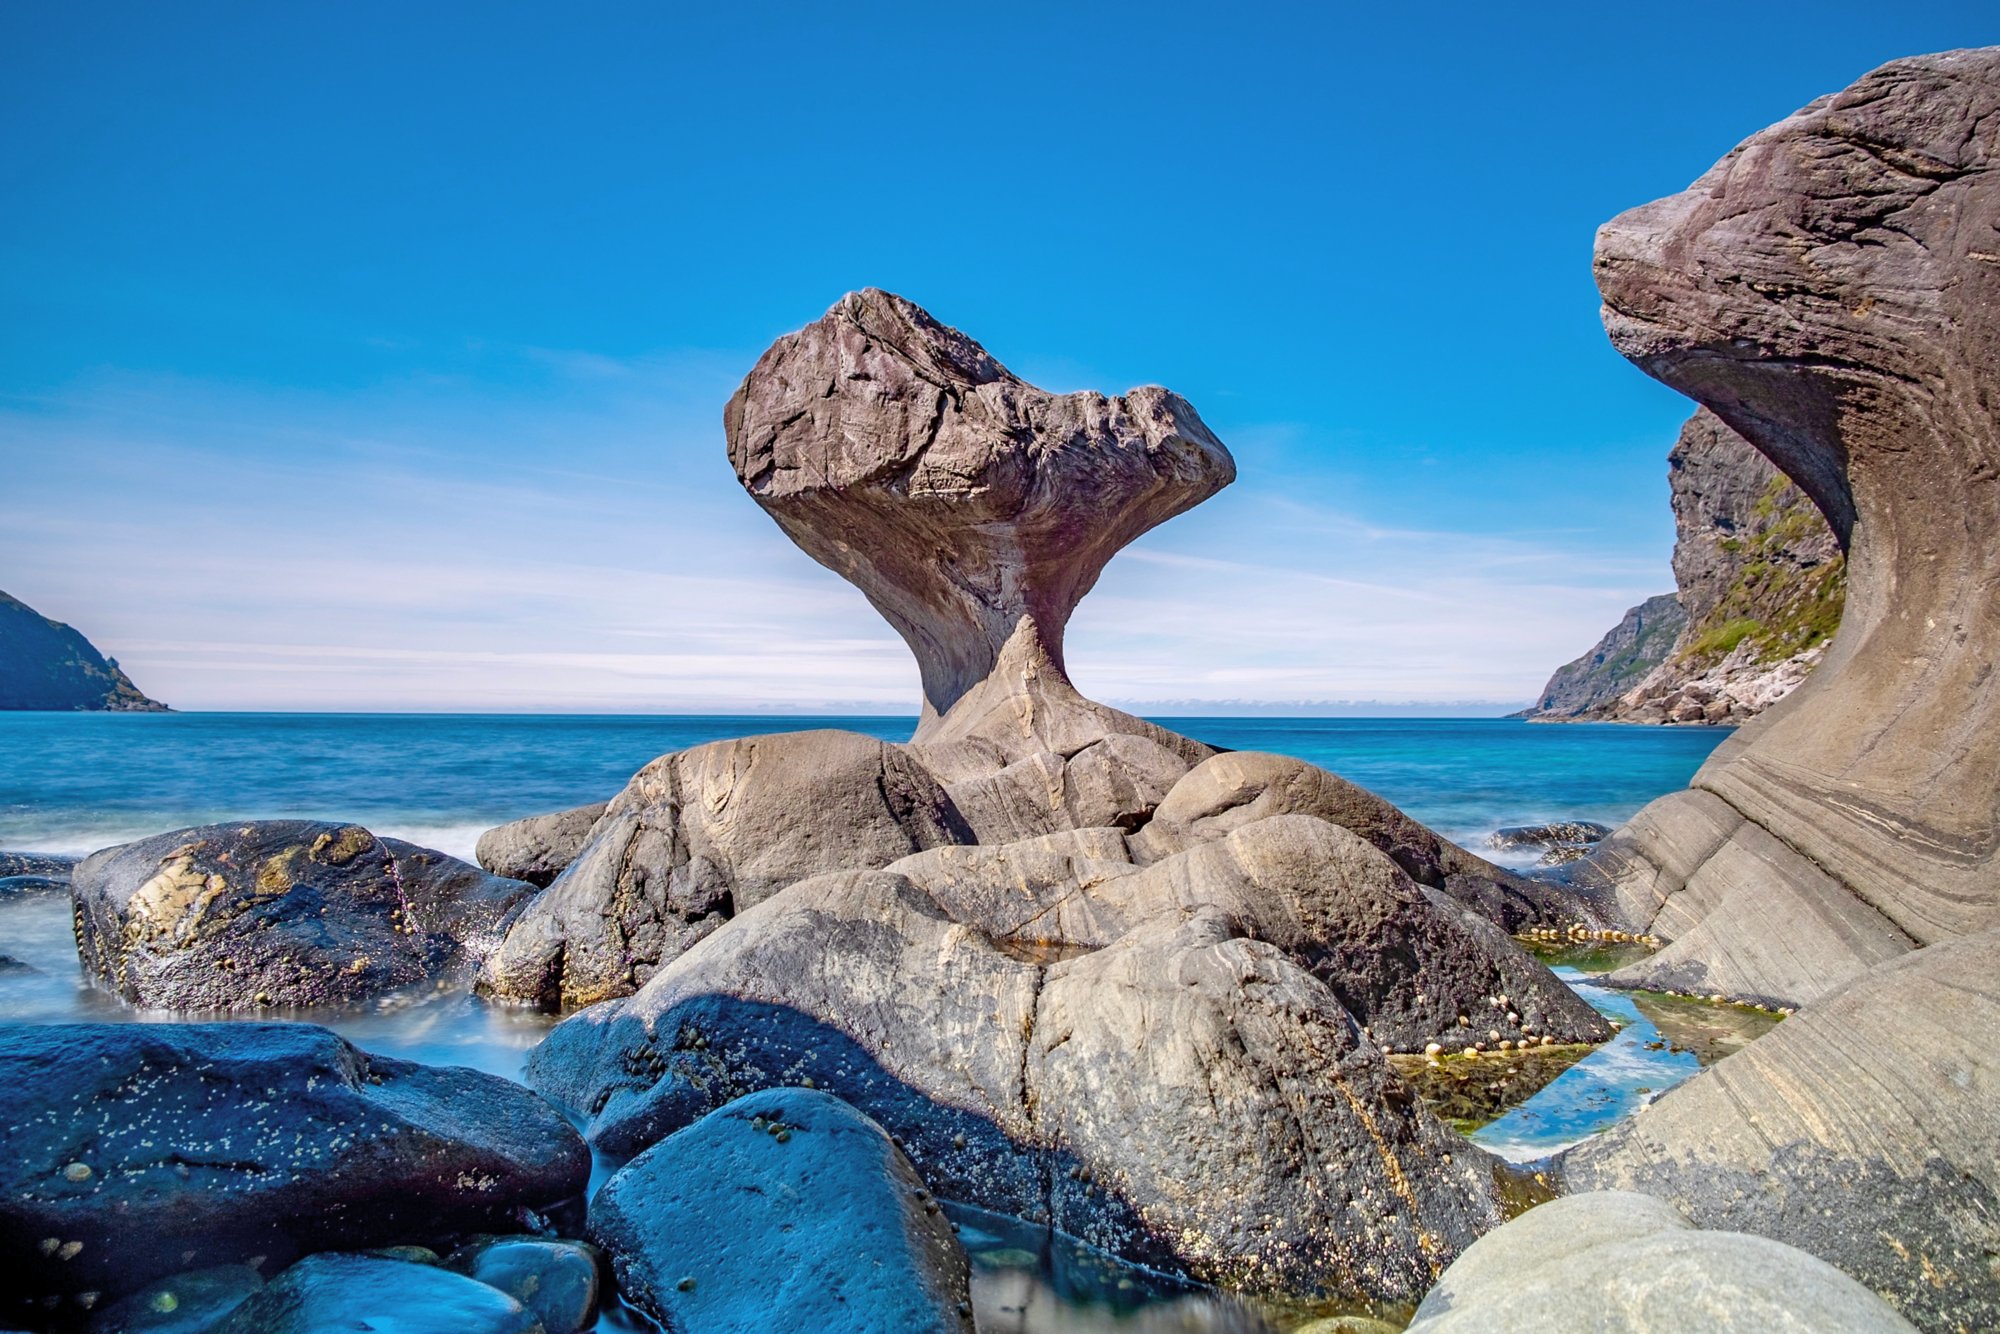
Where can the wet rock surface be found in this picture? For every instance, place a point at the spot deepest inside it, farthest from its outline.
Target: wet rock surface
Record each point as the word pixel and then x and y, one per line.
pixel 539 848
pixel 280 912
pixel 356 1292
pixel 702 834
pixel 556 1280
pixel 44 864
pixel 188 1303
pixel 1623 1263
pixel 1862 1130
pixel 136 1151
pixel 783 1209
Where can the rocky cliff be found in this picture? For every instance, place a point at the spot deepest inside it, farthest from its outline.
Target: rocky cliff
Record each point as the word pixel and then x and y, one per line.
pixel 44 664
pixel 1761 583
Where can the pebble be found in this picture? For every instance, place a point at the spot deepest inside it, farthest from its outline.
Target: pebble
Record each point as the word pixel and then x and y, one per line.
pixel 77 1172
pixel 1433 1049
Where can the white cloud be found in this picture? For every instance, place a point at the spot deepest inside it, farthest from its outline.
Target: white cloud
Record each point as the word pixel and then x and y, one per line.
pixel 584 547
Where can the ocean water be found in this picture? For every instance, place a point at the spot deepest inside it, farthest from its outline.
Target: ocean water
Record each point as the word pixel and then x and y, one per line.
pixel 78 782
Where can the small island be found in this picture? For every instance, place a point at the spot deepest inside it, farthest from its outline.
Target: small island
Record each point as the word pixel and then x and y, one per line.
pixel 45 664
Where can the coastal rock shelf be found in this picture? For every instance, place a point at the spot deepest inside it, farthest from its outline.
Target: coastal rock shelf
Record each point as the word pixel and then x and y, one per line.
pixel 1830 291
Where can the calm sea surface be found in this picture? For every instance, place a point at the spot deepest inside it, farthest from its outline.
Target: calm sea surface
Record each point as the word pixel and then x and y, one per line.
pixel 79 782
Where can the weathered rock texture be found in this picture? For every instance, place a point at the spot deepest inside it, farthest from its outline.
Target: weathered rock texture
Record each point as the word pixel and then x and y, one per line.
pixel 539 848
pixel 1865 1130
pixel 974 511
pixel 280 912
pixel 1761 580
pixel 133 1151
pixel 1164 1061
pixel 1829 291
pixel 702 834
pixel 46 665
pixel 1618 1263
pixel 1589 688
pixel 785 1209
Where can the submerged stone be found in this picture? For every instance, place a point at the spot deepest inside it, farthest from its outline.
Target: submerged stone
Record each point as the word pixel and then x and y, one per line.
pixel 326 1293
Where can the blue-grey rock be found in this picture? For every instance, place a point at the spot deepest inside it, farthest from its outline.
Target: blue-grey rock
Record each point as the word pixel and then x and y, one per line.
pixel 1616 1262
pixel 785 1209
pixel 133 1151
pixel 22 886
pixel 52 864
pixel 186 1303
pixel 323 1294
pixel 555 1279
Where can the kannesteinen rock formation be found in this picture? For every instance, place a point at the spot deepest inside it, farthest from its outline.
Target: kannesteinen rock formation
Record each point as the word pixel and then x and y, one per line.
pixel 1831 290
pixel 1072 961
pixel 45 664
pixel 1761 579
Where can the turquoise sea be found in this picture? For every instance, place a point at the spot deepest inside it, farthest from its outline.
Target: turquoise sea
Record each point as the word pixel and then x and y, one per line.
pixel 78 782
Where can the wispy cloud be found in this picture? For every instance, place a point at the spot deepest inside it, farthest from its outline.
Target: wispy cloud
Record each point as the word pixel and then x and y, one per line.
pixel 581 544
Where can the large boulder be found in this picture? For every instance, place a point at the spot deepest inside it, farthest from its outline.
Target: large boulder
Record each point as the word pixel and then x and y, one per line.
pixel 1142 1058
pixel 785 1209
pixel 1865 1130
pixel 1237 788
pixel 1619 1263
pixel 134 1151
pixel 1828 291
pixel 702 834
pixel 539 848
pixel 280 912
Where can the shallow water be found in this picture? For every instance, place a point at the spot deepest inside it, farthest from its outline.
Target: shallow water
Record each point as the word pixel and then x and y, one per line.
pixel 77 782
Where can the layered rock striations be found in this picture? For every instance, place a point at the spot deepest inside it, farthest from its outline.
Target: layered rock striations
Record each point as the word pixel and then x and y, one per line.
pixel 1826 291
pixel 1831 290
pixel 44 664
pixel 1761 580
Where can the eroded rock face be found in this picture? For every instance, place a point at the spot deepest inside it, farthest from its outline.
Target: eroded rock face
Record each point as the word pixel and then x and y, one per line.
pixel 1238 788
pixel 702 834
pixel 1828 291
pixel 1057 1034
pixel 134 1151
pixel 280 912
pixel 539 848
pixel 1865 1130
pixel 966 503
pixel 785 1209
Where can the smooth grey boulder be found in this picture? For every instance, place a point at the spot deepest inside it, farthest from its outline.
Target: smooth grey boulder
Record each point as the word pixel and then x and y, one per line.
pixel 1236 788
pixel 539 848
pixel 280 912
pixel 1865 1130
pixel 702 834
pixel 187 1303
pixel 555 1279
pixel 326 1293
pixel 1828 291
pixel 134 1151
pixel 1061 1037
pixel 1412 966
pixel 1621 1263
pixel 785 1209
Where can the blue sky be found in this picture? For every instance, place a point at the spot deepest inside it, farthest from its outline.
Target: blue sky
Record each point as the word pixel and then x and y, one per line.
pixel 373 356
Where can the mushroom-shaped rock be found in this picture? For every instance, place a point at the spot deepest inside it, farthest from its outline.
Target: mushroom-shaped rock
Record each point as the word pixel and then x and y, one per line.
pixel 1831 291
pixel 972 508
pixel 280 912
